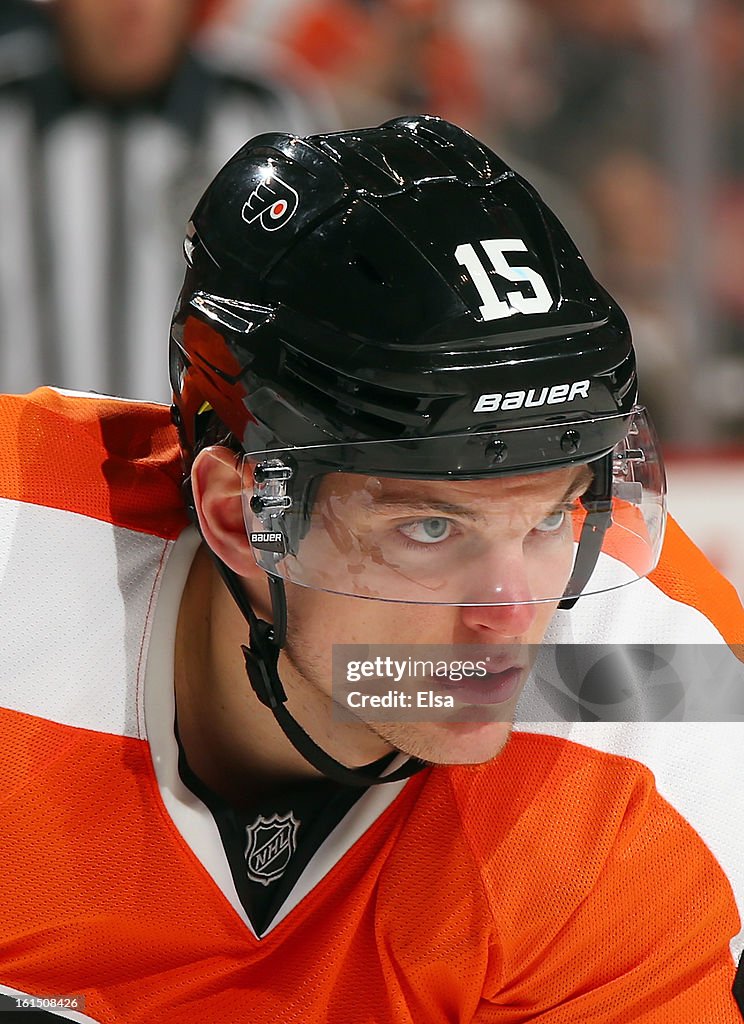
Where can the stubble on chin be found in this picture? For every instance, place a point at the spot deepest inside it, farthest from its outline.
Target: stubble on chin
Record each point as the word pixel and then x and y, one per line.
pixel 441 742
pixel 450 743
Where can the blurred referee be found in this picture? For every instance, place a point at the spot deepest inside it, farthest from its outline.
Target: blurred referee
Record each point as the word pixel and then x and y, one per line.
pixel 112 120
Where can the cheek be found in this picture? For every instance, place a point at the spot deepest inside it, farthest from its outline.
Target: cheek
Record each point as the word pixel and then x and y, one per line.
pixel 551 558
pixel 322 619
pixel 318 622
pixel 545 613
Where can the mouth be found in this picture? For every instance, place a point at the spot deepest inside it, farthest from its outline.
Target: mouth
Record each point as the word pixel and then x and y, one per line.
pixel 492 688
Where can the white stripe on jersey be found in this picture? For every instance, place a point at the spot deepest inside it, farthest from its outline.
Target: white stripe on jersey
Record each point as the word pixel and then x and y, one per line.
pixel 639 613
pixel 75 654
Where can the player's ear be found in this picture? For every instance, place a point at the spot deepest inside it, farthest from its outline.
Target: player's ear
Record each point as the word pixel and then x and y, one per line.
pixel 216 483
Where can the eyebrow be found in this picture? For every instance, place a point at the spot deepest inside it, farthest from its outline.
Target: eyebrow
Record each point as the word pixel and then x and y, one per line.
pixel 412 505
pixel 576 487
pixel 580 483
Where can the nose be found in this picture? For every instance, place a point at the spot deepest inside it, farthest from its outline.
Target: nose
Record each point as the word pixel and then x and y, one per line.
pixel 508 585
pixel 508 621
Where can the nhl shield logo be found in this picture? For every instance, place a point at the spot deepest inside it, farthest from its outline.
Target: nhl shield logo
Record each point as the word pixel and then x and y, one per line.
pixel 271 843
pixel 272 203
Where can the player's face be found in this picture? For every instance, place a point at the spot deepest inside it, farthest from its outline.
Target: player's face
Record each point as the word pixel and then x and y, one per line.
pixel 528 550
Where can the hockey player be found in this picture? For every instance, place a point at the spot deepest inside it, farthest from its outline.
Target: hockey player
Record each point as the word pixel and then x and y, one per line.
pixel 407 415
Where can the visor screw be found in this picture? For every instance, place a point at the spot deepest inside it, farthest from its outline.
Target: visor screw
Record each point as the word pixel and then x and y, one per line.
pixel 273 470
pixel 497 452
pixel 571 442
pixel 273 503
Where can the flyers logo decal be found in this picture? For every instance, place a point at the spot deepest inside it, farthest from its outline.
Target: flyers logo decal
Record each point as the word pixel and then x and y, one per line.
pixel 273 203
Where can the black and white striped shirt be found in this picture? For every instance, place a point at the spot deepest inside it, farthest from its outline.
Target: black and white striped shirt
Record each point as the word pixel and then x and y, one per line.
pixel 93 204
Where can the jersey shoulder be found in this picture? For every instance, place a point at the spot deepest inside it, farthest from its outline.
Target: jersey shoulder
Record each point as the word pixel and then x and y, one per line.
pixel 106 458
pixel 572 844
pixel 548 792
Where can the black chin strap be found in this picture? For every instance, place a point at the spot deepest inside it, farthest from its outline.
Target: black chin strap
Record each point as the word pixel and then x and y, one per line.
pixel 261 664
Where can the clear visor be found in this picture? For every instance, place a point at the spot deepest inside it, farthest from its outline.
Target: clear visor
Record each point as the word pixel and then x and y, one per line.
pixel 465 539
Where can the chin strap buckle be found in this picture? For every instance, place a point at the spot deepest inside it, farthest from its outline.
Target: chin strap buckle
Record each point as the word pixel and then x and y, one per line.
pixel 261 660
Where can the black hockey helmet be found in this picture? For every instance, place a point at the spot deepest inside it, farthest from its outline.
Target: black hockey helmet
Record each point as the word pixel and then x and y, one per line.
pixel 396 302
pixel 389 283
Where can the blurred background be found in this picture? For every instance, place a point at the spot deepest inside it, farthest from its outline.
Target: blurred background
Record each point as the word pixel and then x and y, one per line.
pixel 628 115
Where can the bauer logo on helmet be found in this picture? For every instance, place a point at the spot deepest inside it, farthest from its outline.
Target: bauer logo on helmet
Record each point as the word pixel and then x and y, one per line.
pixel 534 398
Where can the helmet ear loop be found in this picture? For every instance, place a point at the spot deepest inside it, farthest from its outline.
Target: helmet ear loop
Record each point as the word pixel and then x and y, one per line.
pixel 597 501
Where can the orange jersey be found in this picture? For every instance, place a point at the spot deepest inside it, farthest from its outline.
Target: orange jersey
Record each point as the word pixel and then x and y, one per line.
pixel 554 884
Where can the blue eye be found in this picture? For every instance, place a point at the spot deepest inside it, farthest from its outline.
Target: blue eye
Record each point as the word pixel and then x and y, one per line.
pixel 552 523
pixel 427 531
